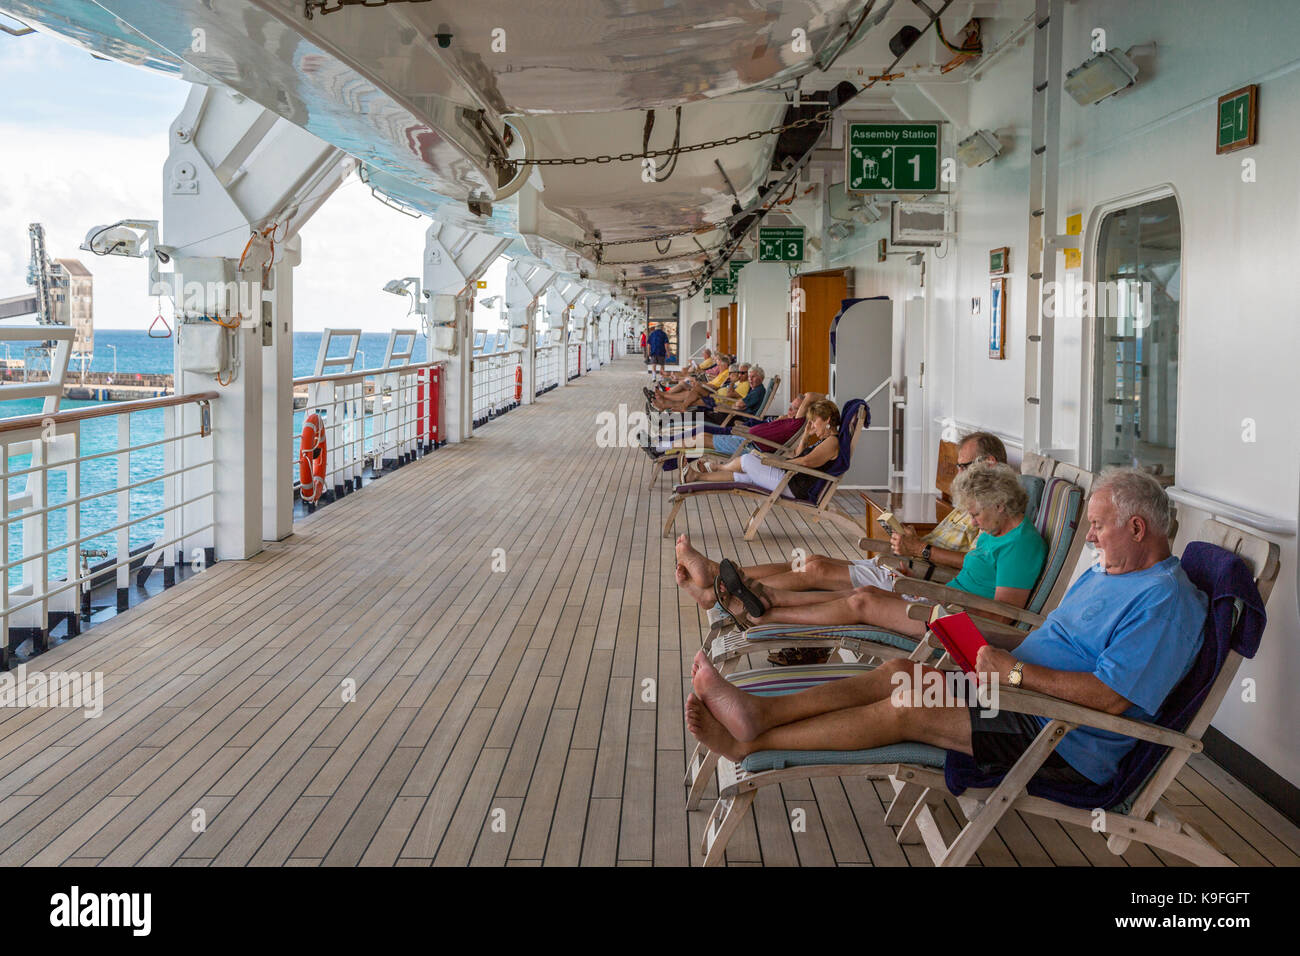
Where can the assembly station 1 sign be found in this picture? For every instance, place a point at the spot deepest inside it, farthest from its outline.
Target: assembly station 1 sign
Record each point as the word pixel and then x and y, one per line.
pixel 892 157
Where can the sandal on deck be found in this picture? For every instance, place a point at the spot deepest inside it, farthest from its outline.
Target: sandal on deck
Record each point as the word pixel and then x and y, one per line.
pixel 797 656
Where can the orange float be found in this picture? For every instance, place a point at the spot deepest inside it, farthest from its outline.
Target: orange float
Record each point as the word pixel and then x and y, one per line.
pixel 519 384
pixel 311 460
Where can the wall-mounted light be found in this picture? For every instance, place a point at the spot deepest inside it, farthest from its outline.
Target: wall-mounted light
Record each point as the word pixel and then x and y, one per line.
pixel 978 148
pixel 1101 76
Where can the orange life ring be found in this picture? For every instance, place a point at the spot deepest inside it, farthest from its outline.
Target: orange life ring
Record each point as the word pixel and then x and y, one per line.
pixel 311 460
pixel 519 383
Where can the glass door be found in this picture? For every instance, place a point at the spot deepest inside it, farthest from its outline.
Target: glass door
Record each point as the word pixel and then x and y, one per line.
pixel 1136 303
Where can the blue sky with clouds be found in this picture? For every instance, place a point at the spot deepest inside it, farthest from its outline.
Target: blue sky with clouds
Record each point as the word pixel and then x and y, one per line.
pixel 83 142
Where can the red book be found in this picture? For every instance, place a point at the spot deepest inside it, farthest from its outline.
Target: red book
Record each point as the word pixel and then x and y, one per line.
pixel 960 638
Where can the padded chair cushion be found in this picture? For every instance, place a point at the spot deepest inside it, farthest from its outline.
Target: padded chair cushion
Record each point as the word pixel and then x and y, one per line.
pixel 775 681
pixel 923 754
pixel 1033 486
pixel 785 632
pixel 1058 517
pixel 1229 584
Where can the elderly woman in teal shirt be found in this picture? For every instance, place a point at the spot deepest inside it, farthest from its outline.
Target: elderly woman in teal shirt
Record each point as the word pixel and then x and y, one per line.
pixel 1005 564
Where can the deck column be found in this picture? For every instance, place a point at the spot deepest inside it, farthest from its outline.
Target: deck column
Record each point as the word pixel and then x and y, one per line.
pixel 454 259
pixel 277 397
pixel 526 283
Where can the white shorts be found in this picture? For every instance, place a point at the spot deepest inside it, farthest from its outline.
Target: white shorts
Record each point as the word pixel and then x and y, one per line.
pixel 869 573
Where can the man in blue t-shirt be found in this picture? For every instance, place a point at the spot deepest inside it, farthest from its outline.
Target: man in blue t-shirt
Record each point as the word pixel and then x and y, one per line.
pixel 657 343
pixel 1124 636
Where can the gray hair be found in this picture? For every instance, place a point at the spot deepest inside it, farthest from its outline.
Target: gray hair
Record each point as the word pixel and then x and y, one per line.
pixel 759 370
pixel 1134 493
pixel 995 487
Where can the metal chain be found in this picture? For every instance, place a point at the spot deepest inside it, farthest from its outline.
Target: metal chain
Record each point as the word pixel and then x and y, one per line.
pixel 325 7
pixel 669 151
pixel 661 236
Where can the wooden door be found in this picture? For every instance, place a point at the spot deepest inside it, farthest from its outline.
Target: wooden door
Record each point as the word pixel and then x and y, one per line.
pixel 810 331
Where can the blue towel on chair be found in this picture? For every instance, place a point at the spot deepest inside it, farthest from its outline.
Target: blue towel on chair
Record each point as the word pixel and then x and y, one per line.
pixel 1228 583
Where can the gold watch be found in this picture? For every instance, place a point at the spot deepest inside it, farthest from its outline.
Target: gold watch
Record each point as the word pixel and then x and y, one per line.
pixel 1017 674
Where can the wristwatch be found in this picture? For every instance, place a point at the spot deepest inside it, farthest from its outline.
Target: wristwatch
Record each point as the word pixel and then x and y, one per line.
pixel 1017 674
pixel 925 552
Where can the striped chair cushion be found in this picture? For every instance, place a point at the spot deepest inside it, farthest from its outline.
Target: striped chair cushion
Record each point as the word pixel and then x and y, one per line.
pixel 775 681
pixel 779 632
pixel 1058 516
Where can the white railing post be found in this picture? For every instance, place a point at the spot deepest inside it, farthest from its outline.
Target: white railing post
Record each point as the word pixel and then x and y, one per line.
pixel 123 541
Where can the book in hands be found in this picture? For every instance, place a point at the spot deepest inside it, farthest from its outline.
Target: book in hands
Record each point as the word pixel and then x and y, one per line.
pixel 891 524
pixel 959 637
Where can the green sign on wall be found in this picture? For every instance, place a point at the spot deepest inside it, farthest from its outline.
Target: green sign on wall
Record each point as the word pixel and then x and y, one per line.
pixel 780 244
pixel 892 157
pixel 1237 112
pixel 721 285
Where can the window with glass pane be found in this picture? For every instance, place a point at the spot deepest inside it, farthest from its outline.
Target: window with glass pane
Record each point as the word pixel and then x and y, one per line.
pixel 1139 269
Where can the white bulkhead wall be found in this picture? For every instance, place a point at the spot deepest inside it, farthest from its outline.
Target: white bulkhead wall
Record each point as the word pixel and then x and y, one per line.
pixel 1239 325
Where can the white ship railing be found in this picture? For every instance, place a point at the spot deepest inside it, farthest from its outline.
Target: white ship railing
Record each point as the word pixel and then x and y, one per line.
pixel 497 383
pixel 52 529
pixel 575 350
pixel 546 367
pixel 373 418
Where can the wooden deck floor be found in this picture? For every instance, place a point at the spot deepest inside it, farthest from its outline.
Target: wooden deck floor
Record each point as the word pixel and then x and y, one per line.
pixel 519 717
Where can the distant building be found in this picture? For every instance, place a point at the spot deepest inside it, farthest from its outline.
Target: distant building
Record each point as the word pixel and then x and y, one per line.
pixel 78 306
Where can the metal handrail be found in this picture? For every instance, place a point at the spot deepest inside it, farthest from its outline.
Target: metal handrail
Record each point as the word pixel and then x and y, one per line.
pixel 38 420
pixel 366 372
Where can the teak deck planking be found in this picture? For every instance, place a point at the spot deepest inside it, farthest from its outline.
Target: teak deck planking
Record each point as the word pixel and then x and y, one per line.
pixel 531 716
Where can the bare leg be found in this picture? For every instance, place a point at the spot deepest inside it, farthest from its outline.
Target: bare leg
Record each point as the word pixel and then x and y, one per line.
pixel 850 714
pixel 870 606
pixel 819 574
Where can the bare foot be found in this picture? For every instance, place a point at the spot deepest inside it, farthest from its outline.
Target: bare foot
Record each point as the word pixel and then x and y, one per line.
pixel 704 597
pixel 738 712
pixel 708 731
pixel 702 570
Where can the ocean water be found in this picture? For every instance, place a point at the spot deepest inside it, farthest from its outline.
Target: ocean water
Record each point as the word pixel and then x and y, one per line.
pixel 135 352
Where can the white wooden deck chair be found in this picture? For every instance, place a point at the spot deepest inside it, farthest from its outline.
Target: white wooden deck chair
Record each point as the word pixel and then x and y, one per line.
pixel 1061 522
pixel 814 510
pixel 1133 810
pixel 677 460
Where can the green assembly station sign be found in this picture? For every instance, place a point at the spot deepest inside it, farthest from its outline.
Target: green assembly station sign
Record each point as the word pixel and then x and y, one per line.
pixel 780 244
pixel 892 157
pixel 722 285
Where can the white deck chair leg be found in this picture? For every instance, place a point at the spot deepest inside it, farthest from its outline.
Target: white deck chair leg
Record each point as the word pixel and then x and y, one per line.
pixel 672 516
pixel 976 831
pixel 756 519
pixel 703 767
pixel 905 797
pixel 726 816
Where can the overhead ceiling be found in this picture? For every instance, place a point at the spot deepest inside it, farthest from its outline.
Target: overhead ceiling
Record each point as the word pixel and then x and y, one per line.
pixel 554 80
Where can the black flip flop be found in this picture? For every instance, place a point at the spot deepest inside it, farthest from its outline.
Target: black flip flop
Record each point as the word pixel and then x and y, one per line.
pixel 741 625
pixel 730 577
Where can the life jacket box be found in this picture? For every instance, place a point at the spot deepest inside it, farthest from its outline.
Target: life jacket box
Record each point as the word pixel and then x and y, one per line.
pixel 518 335
pixel 443 338
pixel 203 347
